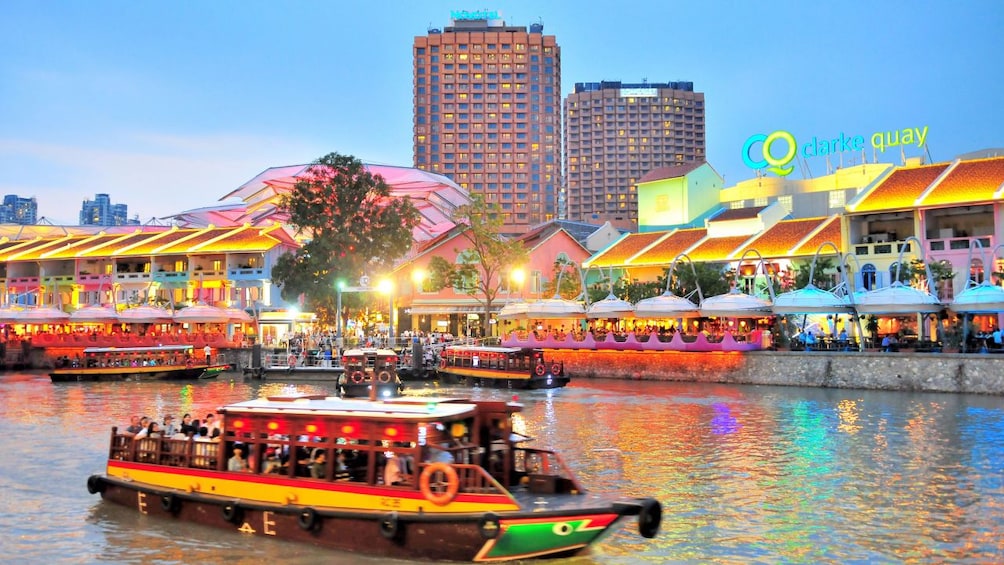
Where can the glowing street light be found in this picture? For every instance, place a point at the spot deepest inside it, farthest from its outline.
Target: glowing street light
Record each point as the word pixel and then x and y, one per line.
pixel 386 286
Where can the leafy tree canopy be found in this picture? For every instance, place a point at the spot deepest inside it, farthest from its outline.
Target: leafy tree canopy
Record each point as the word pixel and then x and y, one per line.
pixel 482 269
pixel 353 227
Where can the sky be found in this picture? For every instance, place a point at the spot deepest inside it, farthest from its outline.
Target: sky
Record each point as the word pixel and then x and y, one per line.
pixel 169 106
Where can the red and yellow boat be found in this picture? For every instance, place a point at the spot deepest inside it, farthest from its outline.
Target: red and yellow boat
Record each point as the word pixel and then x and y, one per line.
pixel 516 367
pixel 415 478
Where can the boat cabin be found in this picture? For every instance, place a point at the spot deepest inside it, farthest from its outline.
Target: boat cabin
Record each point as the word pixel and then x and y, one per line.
pixel 385 444
pixel 166 355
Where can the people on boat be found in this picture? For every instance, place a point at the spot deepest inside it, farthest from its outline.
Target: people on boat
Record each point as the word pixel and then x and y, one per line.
pixel 212 422
pixel 144 427
pixel 134 426
pixel 188 427
pixel 169 429
pixel 393 472
pixel 237 462
pixel 209 354
pixel 318 464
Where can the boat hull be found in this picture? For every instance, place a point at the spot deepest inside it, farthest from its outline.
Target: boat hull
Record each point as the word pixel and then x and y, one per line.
pixel 470 537
pixel 489 377
pixel 127 374
pixel 362 390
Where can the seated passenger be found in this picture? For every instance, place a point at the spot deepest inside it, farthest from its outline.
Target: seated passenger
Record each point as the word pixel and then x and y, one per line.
pixel 237 463
pixel 394 471
pixel 318 468
pixel 273 463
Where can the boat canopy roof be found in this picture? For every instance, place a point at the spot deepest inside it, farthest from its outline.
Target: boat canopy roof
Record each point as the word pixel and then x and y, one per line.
pixel 490 349
pixel 367 351
pixel 152 349
pixel 333 406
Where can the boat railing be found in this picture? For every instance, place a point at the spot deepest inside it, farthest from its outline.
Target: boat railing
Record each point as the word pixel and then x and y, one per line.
pixel 472 479
pixel 164 451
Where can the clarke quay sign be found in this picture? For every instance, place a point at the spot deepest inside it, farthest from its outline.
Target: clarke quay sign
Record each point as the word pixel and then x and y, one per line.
pixel 763 157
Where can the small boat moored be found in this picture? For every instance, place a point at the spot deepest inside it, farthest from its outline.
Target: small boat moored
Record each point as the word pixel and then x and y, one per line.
pixel 518 367
pixel 405 478
pixel 162 362
pixel 368 368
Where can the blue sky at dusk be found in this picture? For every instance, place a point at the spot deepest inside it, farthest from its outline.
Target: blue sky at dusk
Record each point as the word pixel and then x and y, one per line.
pixel 168 106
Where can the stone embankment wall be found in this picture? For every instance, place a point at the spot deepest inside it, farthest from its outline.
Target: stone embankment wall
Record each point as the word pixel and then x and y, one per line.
pixel 931 372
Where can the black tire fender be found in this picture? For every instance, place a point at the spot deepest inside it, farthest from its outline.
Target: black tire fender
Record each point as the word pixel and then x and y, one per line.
pixel 489 525
pixel 95 484
pixel 389 525
pixel 307 519
pixel 649 518
pixel 169 503
pixel 233 513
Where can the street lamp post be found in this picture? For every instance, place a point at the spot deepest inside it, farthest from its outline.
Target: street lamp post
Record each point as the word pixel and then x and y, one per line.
pixel 387 286
pixel 339 286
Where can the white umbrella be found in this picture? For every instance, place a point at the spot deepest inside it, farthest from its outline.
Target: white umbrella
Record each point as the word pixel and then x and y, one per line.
pixel 238 316
pixel 43 315
pixel 145 315
pixel 555 308
pixel 983 298
pixel 610 307
pixel 666 305
pixel 811 300
pixel 95 313
pixel 897 298
pixel 513 311
pixel 735 304
pixel 202 313
pixel 10 314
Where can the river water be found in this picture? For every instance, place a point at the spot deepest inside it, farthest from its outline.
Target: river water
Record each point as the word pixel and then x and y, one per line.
pixel 746 474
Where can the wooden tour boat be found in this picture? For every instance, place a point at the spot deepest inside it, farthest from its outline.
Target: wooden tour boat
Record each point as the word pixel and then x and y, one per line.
pixel 162 362
pixel 408 478
pixel 519 367
pixel 366 368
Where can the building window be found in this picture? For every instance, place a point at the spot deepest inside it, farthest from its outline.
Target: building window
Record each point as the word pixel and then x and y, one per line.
pixel 785 201
pixel 838 198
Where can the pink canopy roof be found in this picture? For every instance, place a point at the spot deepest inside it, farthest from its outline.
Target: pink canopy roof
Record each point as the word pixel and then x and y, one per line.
pixel 435 196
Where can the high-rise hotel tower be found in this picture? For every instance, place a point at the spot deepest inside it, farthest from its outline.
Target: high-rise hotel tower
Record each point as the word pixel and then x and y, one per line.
pixel 488 113
pixel 615 133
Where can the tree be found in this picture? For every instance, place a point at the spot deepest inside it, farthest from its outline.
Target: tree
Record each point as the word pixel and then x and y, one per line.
pixel 352 225
pixel 483 267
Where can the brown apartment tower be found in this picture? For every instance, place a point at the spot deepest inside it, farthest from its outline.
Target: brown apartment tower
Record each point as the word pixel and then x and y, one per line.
pixel 488 113
pixel 615 133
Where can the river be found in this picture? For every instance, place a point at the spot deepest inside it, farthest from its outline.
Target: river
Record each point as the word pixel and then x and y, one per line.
pixel 746 474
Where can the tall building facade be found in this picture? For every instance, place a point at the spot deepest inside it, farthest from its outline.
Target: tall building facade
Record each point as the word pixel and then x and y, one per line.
pixel 101 212
pixel 18 210
pixel 617 132
pixel 488 113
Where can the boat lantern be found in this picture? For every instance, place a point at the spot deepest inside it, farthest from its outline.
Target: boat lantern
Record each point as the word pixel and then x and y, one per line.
pixel 311 428
pixel 237 424
pixel 458 429
pixel 391 431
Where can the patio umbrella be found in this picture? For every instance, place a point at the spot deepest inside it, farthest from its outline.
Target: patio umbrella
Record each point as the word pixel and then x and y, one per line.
pixel 95 313
pixel 735 304
pixel 10 315
pixel 237 316
pixel 43 315
pixel 666 305
pixel 145 315
pixel 811 300
pixel 513 311
pixel 555 308
pixel 983 298
pixel 897 298
pixel 202 313
pixel 610 307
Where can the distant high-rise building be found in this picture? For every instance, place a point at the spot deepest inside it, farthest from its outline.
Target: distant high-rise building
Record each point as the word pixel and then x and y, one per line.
pixel 18 210
pixel 101 212
pixel 615 133
pixel 488 113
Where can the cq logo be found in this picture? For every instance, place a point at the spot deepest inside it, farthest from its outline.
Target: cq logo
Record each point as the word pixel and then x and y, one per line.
pixel 780 166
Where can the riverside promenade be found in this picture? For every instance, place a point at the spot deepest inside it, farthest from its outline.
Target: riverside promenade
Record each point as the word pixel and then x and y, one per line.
pixel 903 371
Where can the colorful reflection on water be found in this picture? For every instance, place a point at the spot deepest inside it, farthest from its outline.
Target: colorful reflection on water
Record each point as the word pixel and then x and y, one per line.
pixel 746 474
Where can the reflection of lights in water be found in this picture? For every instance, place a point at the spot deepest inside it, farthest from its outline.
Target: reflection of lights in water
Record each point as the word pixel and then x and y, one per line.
pixel 519 424
pixel 847 411
pixel 723 422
